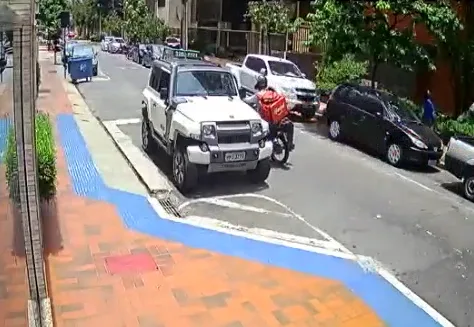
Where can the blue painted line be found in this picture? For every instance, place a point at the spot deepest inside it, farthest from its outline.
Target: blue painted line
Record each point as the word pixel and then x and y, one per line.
pixel 137 214
pixel 4 129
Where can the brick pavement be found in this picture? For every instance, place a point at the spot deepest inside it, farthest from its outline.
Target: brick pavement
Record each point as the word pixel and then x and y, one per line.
pixel 102 274
pixel 13 281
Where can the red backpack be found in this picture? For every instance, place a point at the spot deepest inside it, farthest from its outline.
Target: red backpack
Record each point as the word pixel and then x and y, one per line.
pixel 273 107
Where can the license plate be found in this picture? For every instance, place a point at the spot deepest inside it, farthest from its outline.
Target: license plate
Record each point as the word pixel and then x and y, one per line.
pixel 432 162
pixel 234 156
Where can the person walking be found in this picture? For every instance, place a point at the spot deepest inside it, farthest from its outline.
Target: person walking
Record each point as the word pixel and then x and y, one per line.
pixel 429 111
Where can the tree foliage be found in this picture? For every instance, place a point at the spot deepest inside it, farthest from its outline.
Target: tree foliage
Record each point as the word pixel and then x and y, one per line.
pixel 136 17
pixel 48 13
pixel 113 24
pixel 271 17
pixel 85 15
pixel 382 31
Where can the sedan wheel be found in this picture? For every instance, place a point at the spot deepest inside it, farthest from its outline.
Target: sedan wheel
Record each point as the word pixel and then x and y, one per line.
pixel 334 130
pixel 394 154
pixel 469 188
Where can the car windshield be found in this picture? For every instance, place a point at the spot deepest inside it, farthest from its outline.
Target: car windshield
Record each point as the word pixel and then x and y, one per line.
pixel 205 83
pixel 397 109
pixel 82 51
pixel 284 68
pixel 172 40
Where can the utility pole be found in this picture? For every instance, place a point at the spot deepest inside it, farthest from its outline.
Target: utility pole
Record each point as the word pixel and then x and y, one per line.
pixel 184 24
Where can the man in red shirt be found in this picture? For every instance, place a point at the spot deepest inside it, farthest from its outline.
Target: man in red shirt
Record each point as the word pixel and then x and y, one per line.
pixel 267 93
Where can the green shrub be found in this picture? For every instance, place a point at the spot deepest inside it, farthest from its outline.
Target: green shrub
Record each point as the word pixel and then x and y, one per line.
pixel 346 70
pixel 45 160
pixel 450 127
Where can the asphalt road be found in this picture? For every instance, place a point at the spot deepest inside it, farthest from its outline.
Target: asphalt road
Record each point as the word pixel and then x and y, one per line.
pixel 413 222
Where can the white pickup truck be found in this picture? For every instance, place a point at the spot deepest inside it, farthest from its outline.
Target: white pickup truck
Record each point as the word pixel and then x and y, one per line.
pixel 282 75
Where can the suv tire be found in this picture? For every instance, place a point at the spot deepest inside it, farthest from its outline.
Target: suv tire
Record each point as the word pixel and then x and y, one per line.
pixel 147 137
pixel 185 174
pixel 468 188
pixel 261 172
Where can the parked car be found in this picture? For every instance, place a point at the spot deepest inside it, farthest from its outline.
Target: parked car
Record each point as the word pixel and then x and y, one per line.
pixel 173 42
pixel 68 51
pixel 209 128
pixel 104 44
pixel 86 50
pixel 137 52
pixel 284 76
pixel 152 52
pixel 115 45
pixel 380 121
pixel 459 161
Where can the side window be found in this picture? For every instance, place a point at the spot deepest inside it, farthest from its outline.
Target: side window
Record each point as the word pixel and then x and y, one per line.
pixel 372 105
pixel 164 81
pixel 259 65
pixel 355 98
pixel 250 63
pixel 155 78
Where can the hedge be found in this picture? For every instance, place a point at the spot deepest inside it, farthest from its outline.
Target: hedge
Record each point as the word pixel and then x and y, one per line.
pixel 45 160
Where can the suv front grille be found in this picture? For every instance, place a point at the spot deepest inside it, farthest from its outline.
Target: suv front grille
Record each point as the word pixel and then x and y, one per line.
pixel 229 139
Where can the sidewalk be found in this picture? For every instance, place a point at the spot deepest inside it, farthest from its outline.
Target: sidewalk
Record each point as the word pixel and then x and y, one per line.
pixel 113 261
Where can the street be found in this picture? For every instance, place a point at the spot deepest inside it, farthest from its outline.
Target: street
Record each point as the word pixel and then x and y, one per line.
pixel 413 222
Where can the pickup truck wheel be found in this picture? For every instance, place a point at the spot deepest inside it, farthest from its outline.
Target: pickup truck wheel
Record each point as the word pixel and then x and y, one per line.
pixel 261 172
pixel 185 173
pixel 147 138
pixel 469 188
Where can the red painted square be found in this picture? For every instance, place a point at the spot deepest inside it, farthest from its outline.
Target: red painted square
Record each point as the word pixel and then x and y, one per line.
pixel 131 263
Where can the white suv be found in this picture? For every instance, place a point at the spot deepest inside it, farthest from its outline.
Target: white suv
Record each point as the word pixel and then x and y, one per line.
pixel 192 109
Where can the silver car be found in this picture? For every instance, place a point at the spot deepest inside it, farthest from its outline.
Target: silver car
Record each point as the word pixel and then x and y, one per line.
pixel 115 44
pixel 104 44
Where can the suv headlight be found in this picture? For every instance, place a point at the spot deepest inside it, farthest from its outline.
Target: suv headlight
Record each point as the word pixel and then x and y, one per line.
pixel 418 143
pixel 208 130
pixel 256 127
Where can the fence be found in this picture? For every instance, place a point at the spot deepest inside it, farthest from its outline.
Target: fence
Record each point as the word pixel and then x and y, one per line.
pixel 22 277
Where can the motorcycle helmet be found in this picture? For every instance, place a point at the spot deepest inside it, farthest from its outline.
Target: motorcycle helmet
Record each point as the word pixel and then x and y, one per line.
pixel 262 83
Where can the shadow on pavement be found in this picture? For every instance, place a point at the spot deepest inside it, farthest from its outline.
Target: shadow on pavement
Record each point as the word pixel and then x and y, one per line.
pixel 209 184
pixel 453 187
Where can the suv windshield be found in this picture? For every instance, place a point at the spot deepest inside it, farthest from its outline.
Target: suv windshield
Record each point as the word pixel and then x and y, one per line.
pixel 205 83
pixel 172 40
pixel 284 68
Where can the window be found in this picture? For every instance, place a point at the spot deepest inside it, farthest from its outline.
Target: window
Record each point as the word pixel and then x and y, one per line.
pixel 205 83
pixel 284 68
pixel 161 3
pixel 255 64
pixel 372 105
pixel 164 81
pixel 155 78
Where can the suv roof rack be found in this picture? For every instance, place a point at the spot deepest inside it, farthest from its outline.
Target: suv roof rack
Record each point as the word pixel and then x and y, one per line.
pixel 170 54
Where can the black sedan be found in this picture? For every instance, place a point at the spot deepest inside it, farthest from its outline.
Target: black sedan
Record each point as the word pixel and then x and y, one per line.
pixel 136 53
pixel 380 121
pixel 152 52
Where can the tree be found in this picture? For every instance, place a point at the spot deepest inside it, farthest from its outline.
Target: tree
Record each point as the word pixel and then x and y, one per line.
pixel 156 29
pixel 271 17
pixel 48 15
pixel 381 31
pixel 85 15
pixel 456 45
pixel 136 16
pixel 113 24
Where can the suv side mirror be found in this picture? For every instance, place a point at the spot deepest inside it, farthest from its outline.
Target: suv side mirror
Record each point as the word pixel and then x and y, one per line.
pixel 164 93
pixel 242 93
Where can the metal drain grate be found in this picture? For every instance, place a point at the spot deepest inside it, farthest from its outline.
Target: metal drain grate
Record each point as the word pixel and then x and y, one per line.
pixel 169 207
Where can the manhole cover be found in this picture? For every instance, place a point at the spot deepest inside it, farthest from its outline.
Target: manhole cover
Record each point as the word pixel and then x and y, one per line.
pixel 132 263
